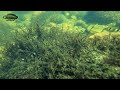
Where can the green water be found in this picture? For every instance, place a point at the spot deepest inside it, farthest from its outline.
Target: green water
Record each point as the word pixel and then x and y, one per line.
pixel 60 45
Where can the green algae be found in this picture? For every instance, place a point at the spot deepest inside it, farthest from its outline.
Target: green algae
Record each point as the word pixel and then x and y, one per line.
pixel 60 45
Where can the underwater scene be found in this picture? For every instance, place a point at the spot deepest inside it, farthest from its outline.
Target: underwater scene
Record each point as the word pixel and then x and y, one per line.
pixel 59 44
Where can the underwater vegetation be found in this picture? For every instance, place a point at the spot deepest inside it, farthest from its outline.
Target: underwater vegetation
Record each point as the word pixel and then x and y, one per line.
pixel 56 46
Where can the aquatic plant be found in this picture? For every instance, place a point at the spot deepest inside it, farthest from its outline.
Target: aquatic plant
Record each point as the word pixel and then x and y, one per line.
pixel 108 43
pixel 114 50
pixel 69 49
pixel 38 54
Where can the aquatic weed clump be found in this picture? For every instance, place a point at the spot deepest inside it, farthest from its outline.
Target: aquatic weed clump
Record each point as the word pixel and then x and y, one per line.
pixel 22 52
pixel 54 54
pixel 114 51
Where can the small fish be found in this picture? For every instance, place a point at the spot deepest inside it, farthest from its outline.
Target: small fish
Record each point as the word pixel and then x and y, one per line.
pixel 10 17
pixel 112 29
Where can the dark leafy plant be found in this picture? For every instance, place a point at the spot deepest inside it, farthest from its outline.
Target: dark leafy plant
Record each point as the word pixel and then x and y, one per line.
pixel 54 54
